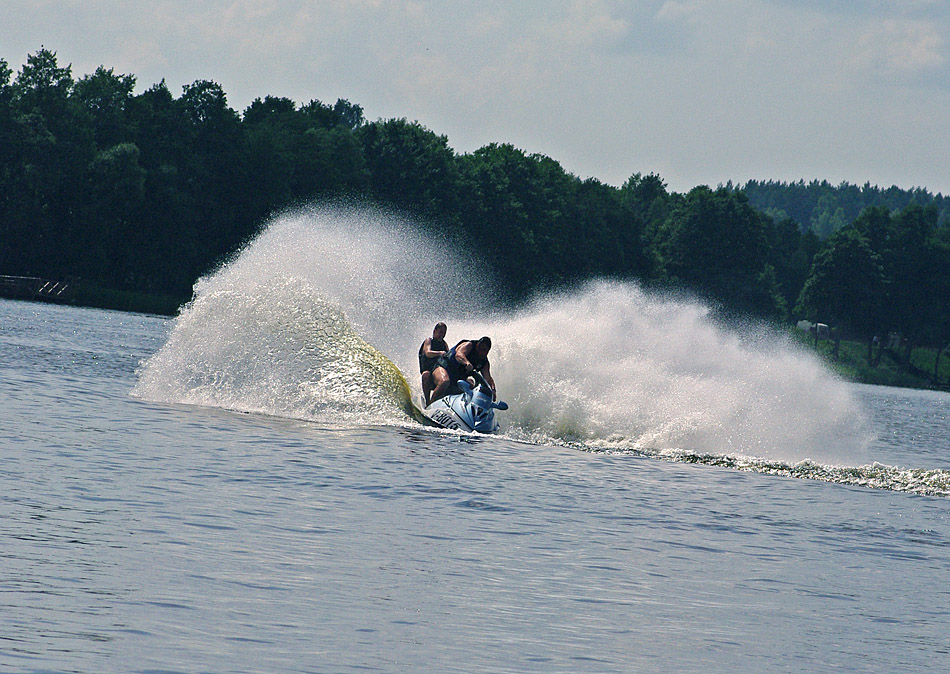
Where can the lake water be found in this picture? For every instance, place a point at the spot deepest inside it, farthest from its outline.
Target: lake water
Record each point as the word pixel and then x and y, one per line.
pixel 142 536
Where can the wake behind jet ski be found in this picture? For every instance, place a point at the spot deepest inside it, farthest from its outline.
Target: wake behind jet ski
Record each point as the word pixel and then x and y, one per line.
pixel 471 409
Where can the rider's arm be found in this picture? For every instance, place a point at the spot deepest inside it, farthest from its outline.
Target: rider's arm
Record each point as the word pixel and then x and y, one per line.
pixel 486 372
pixel 461 355
pixel 427 349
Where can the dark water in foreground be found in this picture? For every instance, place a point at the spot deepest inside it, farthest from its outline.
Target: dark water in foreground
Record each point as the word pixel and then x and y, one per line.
pixel 139 537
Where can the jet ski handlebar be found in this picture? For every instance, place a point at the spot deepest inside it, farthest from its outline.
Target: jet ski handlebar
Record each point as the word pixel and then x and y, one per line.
pixel 481 382
pixel 480 379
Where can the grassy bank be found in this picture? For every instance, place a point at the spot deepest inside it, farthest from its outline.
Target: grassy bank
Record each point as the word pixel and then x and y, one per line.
pixel 852 364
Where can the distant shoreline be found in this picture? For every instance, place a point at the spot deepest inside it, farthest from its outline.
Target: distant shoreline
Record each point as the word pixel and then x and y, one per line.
pixel 851 365
pixel 81 293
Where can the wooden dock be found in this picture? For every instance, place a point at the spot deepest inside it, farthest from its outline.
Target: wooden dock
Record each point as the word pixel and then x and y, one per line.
pixel 34 288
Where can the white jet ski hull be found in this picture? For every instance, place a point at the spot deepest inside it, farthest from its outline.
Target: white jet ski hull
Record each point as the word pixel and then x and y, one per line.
pixel 451 412
pixel 472 410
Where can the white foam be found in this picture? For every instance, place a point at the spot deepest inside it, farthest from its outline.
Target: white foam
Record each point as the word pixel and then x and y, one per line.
pixel 612 365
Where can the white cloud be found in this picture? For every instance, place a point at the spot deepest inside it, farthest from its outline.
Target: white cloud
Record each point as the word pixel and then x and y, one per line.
pixel 589 25
pixel 898 47
pixel 682 10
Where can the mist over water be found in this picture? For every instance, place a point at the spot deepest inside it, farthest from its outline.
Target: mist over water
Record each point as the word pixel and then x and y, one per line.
pixel 308 320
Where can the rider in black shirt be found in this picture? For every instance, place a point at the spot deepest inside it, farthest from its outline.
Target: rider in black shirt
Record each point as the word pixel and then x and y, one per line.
pixel 430 351
pixel 466 356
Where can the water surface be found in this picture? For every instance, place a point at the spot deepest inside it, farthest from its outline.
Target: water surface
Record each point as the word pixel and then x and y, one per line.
pixel 140 536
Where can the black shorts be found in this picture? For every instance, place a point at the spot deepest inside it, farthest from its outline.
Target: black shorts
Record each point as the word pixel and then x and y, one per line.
pixel 453 367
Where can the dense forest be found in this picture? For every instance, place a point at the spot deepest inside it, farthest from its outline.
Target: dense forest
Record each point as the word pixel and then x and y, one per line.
pixel 148 191
pixel 824 208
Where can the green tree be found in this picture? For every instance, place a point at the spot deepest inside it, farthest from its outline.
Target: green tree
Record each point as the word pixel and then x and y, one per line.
pixel 271 110
pixel 341 114
pixel 906 243
pixel 613 233
pixel 8 168
pixel 845 286
pixel 327 162
pixel 271 125
pixel 827 217
pixel 111 238
pixel 411 167
pixel 940 298
pixel 43 87
pixel 52 149
pixel 715 243
pixel 223 196
pixel 301 154
pixel 169 254
pixel 349 115
pixel 531 219
pixel 912 263
pixel 647 198
pixel 102 98
pixel 874 223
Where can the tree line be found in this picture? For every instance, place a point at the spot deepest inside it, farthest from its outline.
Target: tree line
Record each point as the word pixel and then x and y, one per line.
pixel 886 272
pixel 825 208
pixel 148 191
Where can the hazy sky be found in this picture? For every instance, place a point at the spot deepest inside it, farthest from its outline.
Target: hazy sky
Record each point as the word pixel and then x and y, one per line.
pixel 699 91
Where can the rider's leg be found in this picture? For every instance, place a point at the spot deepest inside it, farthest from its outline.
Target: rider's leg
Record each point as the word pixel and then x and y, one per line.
pixel 426 386
pixel 441 379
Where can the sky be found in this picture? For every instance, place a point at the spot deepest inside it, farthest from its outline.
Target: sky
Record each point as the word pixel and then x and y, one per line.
pixel 697 91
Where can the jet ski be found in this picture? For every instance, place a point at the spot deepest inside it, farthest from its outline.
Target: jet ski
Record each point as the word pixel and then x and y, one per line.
pixel 471 409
